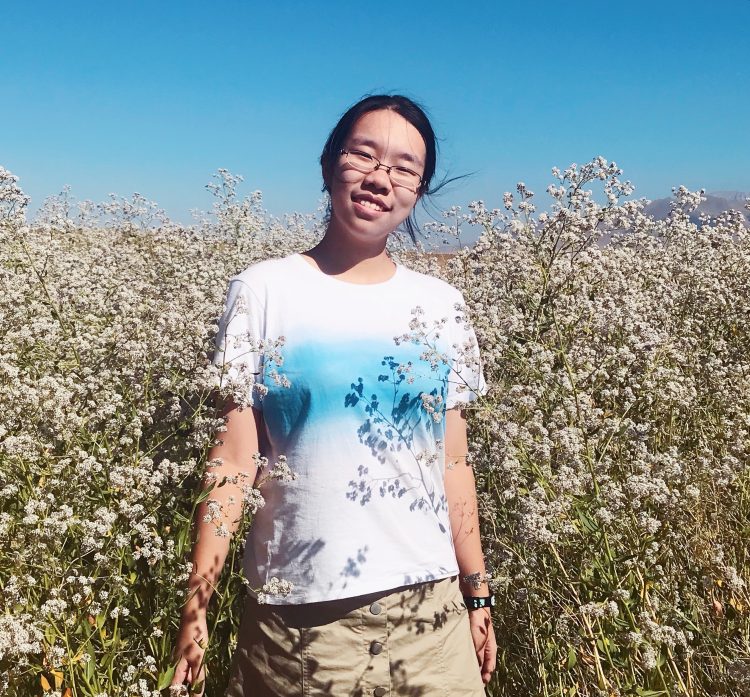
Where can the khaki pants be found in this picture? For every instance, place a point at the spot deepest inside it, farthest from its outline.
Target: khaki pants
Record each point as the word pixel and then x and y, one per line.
pixel 411 641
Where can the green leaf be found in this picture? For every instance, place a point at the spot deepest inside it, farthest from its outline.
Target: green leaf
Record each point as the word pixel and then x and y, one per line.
pixel 166 677
pixel 89 669
pixel 588 523
pixel 205 493
pixel 572 658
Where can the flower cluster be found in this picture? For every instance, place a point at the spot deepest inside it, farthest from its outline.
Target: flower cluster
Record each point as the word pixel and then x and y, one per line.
pixel 612 450
pixel 109 316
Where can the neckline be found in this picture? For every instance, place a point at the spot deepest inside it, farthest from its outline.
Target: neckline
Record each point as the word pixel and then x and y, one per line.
pixel 349 284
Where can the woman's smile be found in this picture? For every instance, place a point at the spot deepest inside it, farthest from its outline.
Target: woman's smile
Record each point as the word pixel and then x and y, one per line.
pixel 368 210
pixel 369 206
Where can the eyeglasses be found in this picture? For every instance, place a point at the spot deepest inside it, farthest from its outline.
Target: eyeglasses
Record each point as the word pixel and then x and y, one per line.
pixel 364 162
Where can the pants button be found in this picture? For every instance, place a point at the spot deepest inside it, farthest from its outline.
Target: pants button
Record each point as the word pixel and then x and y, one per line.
pixel 379 691
pixel 375 608
pixel 375 648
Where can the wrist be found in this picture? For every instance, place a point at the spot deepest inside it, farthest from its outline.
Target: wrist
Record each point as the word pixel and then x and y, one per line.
pixel 469 590
pixel 474 603
pixel 475 583
pixel 197 596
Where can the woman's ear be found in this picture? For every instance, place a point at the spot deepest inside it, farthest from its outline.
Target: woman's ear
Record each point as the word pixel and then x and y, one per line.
pixel 326 170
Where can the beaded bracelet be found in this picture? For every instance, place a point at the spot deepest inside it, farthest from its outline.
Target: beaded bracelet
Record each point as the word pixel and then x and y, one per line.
pixel 476 579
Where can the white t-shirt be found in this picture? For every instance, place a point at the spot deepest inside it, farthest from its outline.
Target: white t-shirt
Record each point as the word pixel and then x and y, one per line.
pixel 358 409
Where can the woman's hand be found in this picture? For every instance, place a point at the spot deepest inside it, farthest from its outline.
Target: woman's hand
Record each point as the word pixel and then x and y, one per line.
pixel 483 635
pixel 209 553
pixel 190 647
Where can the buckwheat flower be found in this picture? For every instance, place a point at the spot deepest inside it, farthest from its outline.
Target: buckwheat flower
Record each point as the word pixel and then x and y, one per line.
pixel 648 658
pixel 213 511
pixel 187 569
pixel 54 606
pixel 261 461
pixel 277 587
pixel 593 610
pixel 19 636
pixel 281 470
pixel 222 531
pixel 56 655
pixel 252 499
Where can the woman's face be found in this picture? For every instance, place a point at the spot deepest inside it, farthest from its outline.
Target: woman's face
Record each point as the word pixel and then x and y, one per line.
pixel 368 206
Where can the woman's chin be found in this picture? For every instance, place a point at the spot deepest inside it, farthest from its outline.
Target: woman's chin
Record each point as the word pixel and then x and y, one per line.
pixel 358 230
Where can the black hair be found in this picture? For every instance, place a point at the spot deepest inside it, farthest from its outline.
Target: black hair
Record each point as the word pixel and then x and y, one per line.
pixel 408 109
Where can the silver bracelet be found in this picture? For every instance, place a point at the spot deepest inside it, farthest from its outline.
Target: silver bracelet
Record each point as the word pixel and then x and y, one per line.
pixel 476 579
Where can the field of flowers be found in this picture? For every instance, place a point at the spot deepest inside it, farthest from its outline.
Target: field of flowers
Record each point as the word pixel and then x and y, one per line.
pixel 612 451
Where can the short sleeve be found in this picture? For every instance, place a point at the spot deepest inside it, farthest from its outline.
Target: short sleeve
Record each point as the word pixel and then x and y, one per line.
pixel 466 380
pixel 238 346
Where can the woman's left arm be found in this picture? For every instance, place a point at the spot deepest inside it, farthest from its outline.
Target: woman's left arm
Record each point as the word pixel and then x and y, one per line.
pixel 460 490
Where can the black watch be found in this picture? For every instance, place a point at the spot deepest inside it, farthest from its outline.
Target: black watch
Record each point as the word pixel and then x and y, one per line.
pixel 475 602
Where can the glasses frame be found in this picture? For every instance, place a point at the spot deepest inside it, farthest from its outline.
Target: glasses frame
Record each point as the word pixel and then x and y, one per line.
pixel 380 165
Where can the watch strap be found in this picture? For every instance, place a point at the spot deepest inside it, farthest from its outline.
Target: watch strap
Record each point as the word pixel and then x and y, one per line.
pixel 475 602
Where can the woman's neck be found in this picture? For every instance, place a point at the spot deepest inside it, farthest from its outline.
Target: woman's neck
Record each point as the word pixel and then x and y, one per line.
pixel 352 263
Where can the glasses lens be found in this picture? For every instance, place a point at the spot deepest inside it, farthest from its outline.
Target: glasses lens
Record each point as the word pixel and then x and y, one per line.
pixel 405 177
pixel 361 161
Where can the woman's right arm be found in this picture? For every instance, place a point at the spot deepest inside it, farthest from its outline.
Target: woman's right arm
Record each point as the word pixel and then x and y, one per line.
pixel 209 551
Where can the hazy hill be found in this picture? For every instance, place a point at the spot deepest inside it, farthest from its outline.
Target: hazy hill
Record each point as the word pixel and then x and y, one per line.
pixel 716 203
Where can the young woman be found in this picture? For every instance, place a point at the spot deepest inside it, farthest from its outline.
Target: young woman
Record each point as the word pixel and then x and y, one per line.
pixel 371 525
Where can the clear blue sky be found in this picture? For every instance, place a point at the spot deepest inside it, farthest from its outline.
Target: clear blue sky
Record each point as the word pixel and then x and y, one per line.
pixel 155 96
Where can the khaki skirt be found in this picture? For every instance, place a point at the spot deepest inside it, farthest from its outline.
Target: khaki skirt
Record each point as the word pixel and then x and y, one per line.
pixel 411 641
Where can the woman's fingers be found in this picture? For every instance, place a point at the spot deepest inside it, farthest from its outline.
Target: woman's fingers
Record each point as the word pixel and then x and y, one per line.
pixel 180 672
pixel 489 659
pixel 485 645
pixel 198 686
pixel 191 673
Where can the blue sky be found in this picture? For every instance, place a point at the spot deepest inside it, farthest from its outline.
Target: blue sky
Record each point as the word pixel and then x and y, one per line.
pixel 155 96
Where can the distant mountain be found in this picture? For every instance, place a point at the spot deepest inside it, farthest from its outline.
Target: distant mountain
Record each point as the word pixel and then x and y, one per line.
pixel 716 203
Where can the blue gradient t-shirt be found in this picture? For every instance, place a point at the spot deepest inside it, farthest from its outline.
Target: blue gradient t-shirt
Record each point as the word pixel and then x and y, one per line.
pixel 353 381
